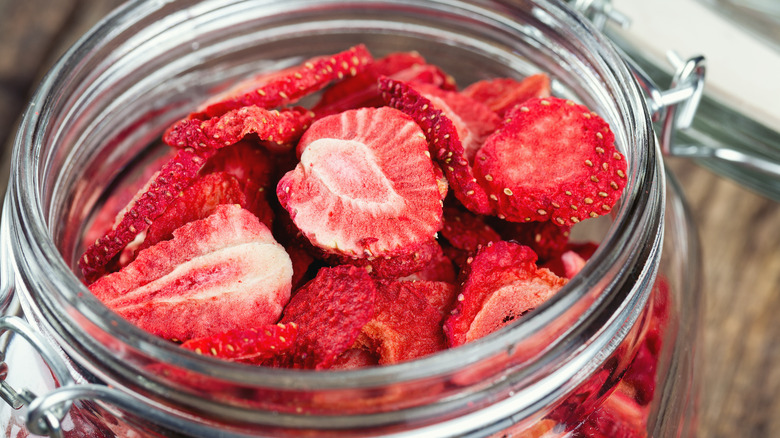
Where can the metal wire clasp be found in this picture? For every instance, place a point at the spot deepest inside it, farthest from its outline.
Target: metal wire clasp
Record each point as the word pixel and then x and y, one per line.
pixel 48 422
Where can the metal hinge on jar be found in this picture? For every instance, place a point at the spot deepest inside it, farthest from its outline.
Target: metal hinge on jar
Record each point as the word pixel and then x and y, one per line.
pixel 675 108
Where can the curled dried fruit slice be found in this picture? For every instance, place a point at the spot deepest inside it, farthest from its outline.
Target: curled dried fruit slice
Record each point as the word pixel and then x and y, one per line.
pixel 554 160
pixel 365 186
pixel 196 202
pixel 467 231
pixel 545 238
pixel 330 310
pixel 473 121
pixel 406 326
pixel 176 175
pixel 443 143
pixel 203 281
pixel 252 345
pixel 289 85
pixel 280 127
pixel 502 284
pixel 502 94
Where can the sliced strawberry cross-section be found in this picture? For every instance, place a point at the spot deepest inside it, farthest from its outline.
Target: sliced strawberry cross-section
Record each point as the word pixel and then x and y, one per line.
pixel 502 283
pixel 406 326
pixel 252 345
pixel 552 159
pixel 329 311
pixel 502 94
pixel 289 85
pixel 365 186
pixel 443 143
pixel 176 175
pixel 205 280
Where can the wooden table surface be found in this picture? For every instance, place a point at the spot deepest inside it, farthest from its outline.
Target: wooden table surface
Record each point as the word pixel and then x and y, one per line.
pixel 740 234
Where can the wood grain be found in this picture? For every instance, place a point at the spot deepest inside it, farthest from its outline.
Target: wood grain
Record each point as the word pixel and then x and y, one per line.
pixel 740 234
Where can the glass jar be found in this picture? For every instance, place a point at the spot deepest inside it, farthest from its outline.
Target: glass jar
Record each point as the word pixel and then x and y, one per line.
pixel 568 368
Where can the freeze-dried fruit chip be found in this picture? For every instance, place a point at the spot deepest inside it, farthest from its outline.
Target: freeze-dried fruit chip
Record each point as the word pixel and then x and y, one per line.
pixel 443 143
pixel 440 268
pixel 466 231
pixel 502 283
pixel 196 202
pixel 289 85
pixel 365 187
pixel 473 121
pixel 176 175
pixel 251 345
pixel 552 159
pixel 405 327
pixel 502 94
pixel 203 281
pixel 281 127
pixel 545 238
pixel 255 168
pixel 405 262
pixel 330 311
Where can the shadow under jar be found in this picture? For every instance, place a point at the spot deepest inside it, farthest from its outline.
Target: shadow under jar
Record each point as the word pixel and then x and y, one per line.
pixel 568 368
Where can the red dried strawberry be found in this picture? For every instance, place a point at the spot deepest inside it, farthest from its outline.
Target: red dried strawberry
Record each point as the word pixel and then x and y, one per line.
pixel 619 417
pixel 402 263
pixel 196 202
pixel 255 170
pixel 365 187
pixel 362 90
pixel 570 261
pixel 203 281
pixel 502 94
pixel 440 268
pixel 355 358
pixel 280 127
pixel 502 284
pixel 252 345
pixel 405 327
pixel 473 121
pixel 554 160
pixel 330 310
pixel 467 231
pixel 441 295
pixel 545 238
pixel 443 143
pixel 176 175
pixel 289 85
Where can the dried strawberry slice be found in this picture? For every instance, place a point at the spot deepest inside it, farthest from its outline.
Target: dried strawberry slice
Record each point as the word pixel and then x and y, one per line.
pixel 502 284
pixel 554 160
pixel 253 345
pixel 330 310
pixel 289 85
pixel 502 94
pixel 406 326
pixel 466 231
pixel 365 186
pixel 618 417
pixel 545 238
pixel 203 281
pixel 362 90
pixel 571 259
pixel 255 169
pixel 440 268
pixel 280 127
pixel 196 202
pixel 443 143
pixel 404 262
pixel 473 121
pixel 176 175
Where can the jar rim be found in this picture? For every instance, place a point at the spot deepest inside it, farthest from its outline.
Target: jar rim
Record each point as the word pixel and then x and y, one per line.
pixel 637 227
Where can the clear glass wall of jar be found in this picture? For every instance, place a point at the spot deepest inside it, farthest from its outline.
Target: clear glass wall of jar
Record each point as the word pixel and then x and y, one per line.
pixel 556 372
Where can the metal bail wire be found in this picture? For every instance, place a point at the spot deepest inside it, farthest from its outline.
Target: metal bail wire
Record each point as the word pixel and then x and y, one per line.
pixel 48 423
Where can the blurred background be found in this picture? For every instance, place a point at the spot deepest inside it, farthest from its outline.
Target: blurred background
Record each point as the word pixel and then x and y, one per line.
pixel 739 229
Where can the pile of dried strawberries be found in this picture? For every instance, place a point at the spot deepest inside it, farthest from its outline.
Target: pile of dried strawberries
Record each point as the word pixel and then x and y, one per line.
pixel 396 217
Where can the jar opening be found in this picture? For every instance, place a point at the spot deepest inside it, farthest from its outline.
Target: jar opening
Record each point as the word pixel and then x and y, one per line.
pixel 113 94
